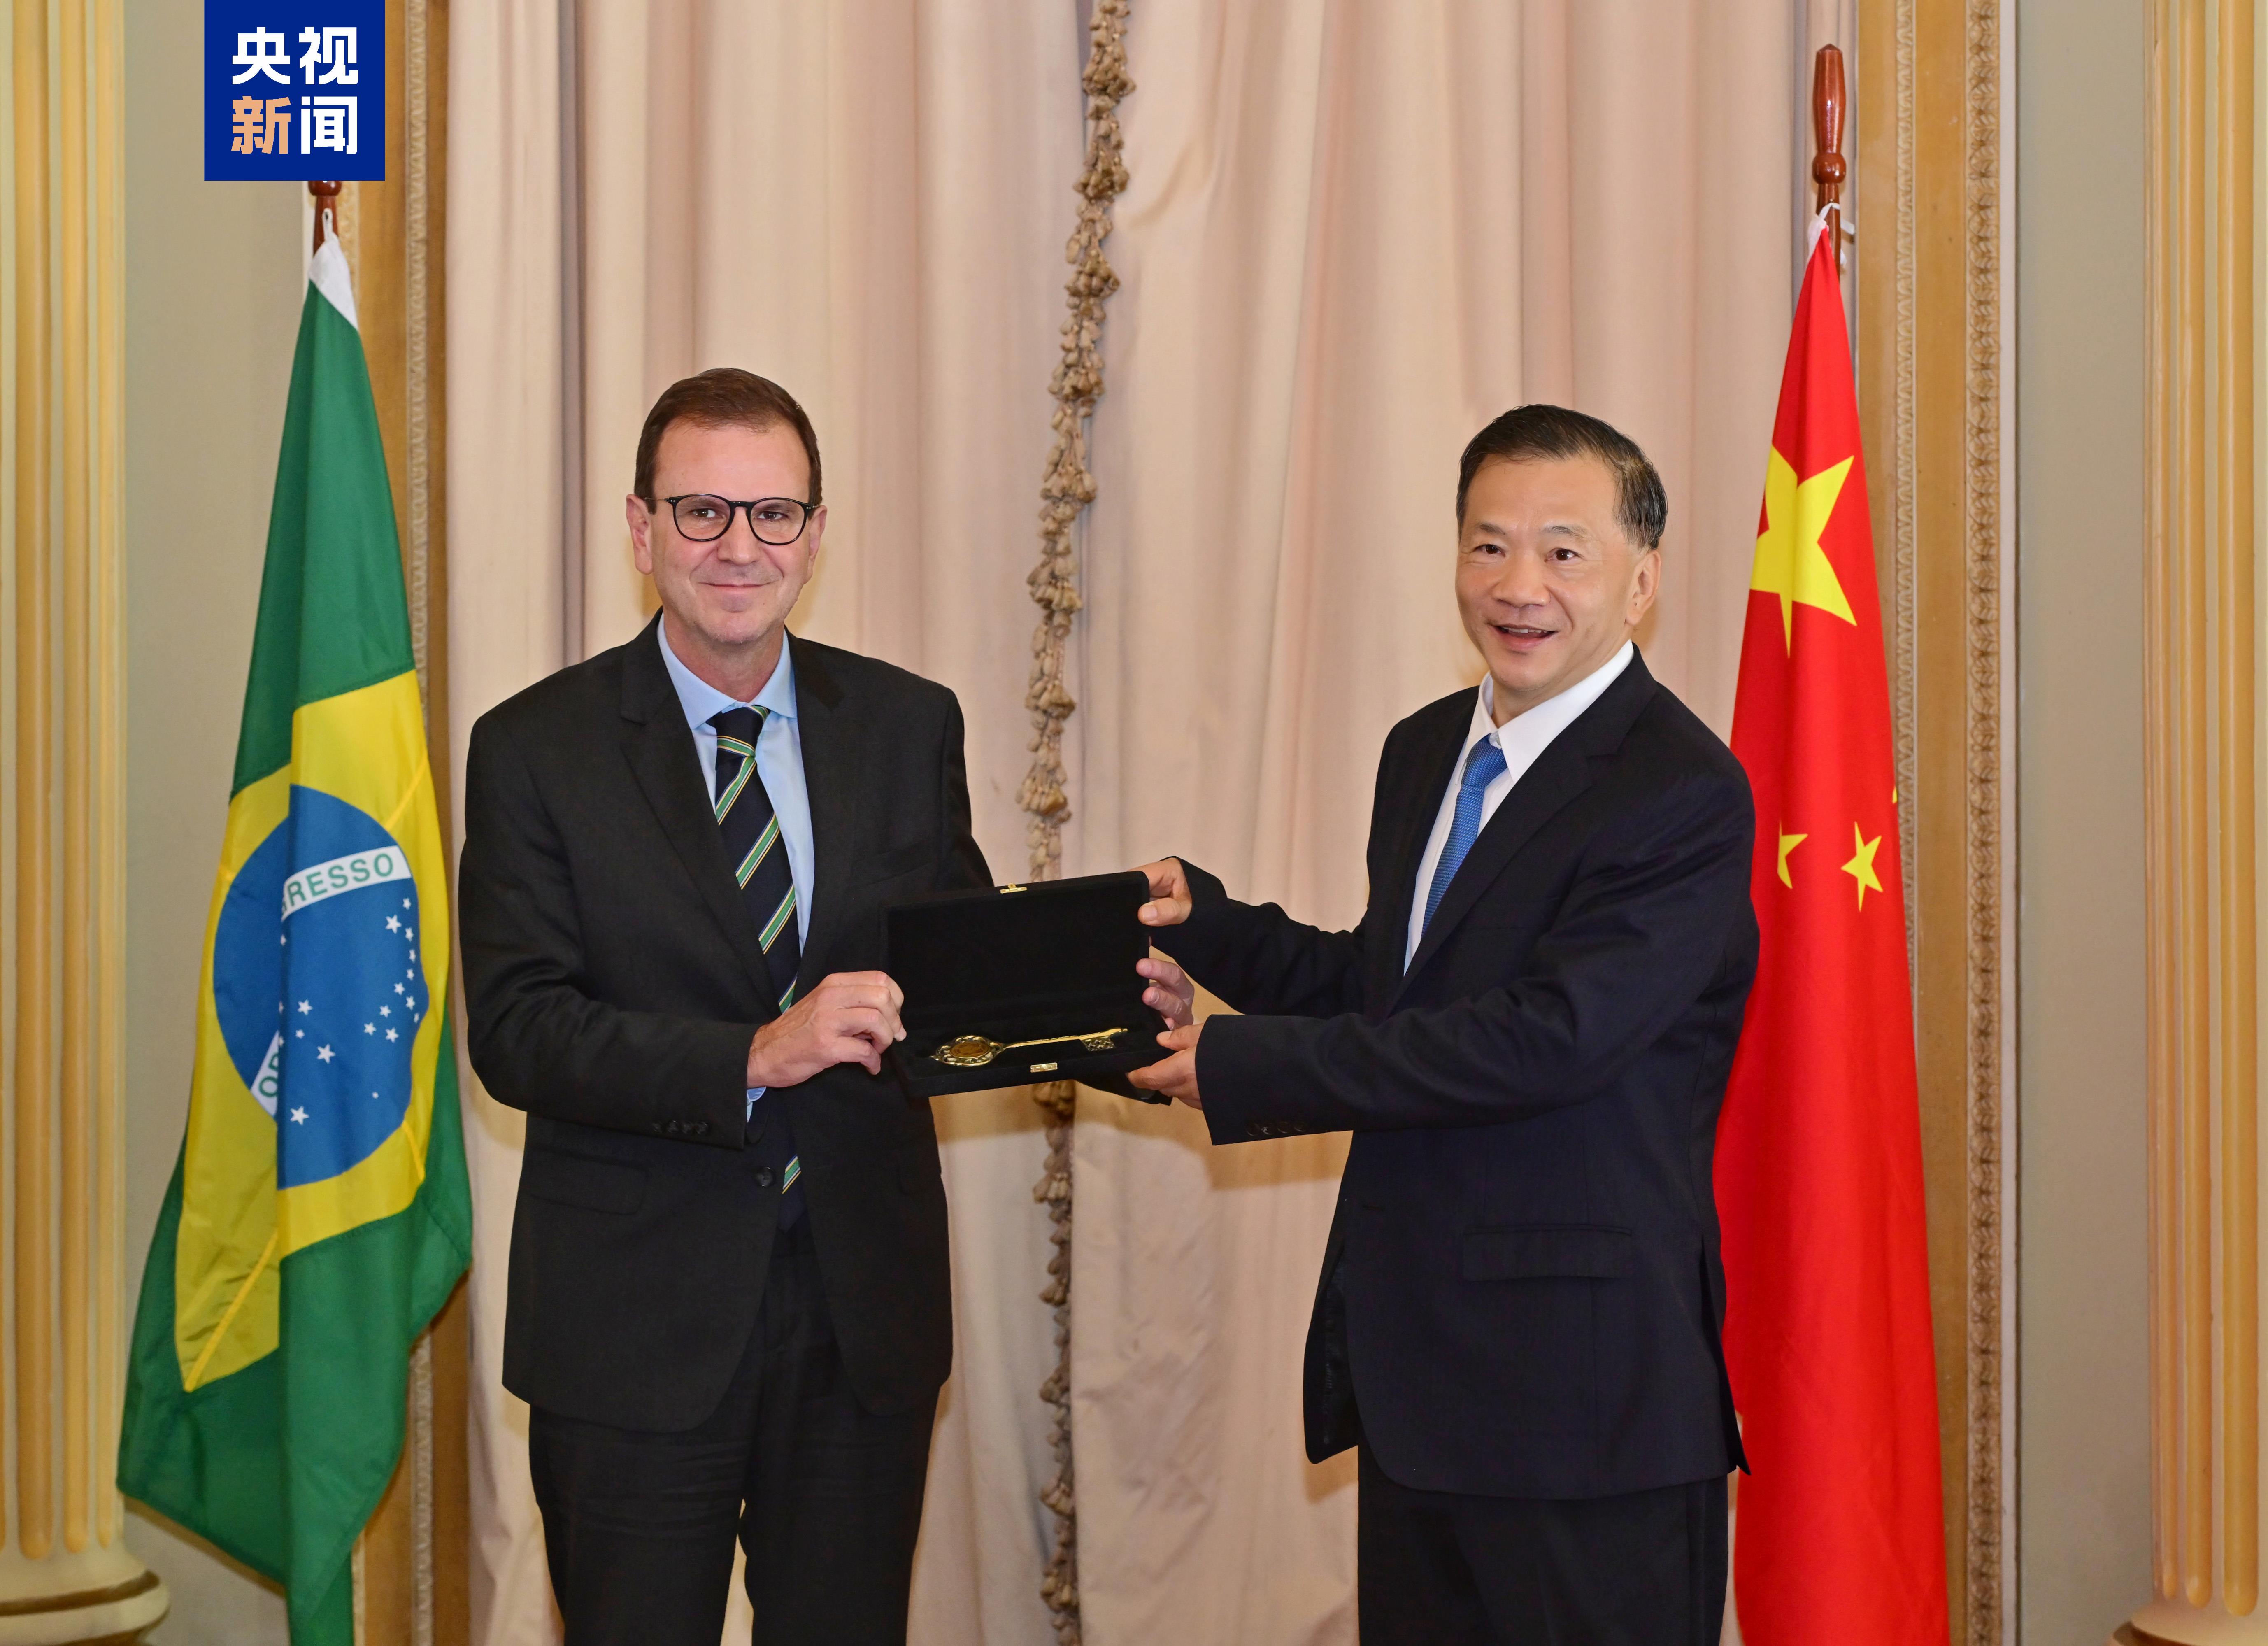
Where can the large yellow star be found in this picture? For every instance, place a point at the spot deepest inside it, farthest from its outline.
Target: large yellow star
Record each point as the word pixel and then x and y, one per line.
pixel 1787 844
pixel 1790 562
pixel 1861 865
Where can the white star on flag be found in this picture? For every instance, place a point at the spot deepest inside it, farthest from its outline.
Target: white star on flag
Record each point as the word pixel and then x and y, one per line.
pixel 393 1034
pixel 369 1028
pixel 385 1011
pixel 323 1054
pixel 397 988
pixel 299 1116
pixel 393 922
pixel 304 1006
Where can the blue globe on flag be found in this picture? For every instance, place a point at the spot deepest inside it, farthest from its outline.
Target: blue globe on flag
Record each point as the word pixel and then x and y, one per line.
pixel 317 984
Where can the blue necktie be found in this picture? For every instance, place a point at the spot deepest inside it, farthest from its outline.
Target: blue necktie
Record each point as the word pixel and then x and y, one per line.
pixel 1483 767
pixel 759 858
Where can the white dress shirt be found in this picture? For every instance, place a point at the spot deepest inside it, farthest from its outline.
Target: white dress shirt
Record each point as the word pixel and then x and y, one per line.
pixel 1522 739
pixel 780 762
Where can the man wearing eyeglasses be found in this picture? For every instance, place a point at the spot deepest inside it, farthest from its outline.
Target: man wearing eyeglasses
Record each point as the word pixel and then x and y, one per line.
pixel 728 1292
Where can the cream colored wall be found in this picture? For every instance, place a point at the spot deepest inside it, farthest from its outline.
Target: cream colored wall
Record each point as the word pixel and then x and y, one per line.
pixel 212 295
pixel 2083 1428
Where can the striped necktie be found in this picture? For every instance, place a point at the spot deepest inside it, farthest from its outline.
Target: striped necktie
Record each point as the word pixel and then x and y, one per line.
pixel 759 860
pixel 1483 767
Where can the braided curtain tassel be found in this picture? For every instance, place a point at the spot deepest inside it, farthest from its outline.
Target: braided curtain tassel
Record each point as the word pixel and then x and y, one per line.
pixel 1065 493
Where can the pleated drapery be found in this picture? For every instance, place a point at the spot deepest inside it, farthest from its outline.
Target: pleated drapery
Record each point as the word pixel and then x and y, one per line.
pixel 1351 235
pixel 1354 234
pixel 867 201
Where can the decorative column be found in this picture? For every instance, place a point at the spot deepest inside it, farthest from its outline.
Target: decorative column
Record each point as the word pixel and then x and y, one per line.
pixel 2202 729
pixel 64 1574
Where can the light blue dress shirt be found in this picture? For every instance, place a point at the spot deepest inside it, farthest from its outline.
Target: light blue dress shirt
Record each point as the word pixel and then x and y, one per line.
pixel 1522 739
pixel 780 762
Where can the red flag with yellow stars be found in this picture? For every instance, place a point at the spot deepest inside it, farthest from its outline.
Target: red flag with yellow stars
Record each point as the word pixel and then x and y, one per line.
pixel 1838 1532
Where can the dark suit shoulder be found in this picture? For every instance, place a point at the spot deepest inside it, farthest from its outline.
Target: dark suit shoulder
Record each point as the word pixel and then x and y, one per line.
pixel 1670 770
pixel 1443 714
pixel 578 692
pixel 591 692
pixel 870 678
pixel 1671 736
pixel 1423 735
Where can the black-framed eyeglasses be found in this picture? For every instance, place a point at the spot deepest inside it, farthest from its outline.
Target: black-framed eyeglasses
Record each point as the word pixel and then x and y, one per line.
pixel 702 517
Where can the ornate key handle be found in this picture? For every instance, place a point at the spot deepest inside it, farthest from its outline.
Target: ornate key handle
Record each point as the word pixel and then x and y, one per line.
pixel 973 1051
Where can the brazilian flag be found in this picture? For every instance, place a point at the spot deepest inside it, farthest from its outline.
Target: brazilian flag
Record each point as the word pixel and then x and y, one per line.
pixel 320 1214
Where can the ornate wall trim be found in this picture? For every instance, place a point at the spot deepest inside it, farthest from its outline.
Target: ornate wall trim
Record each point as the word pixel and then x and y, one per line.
pixel 412 1563
pixel 1935 120
pixel 1065 490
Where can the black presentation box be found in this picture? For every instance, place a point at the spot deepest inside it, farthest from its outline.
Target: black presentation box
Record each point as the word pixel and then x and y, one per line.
pixel 1021 963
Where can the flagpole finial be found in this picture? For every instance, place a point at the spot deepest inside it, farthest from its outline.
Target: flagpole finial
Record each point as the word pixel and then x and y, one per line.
pixel 1829 169
pixel 327 198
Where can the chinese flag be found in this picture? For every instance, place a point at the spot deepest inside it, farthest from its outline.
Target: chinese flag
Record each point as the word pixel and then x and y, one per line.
pixel 1839 1534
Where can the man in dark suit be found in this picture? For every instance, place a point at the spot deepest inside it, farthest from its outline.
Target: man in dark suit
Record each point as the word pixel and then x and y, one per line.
pixel 1528 1035
pixel 728 1300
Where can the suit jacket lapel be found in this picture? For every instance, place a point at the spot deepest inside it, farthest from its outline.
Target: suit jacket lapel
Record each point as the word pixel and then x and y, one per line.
pixel 1561 773
pixel 828 734
pixel 659 745
pixel 1436 761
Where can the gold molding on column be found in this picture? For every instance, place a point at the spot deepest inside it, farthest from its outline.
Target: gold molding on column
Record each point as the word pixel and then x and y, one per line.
pixel 2236 1006
pixel 61 836
pixel 412 1585
pixel 32 1029
pixel 2201 771
pixel 1931 333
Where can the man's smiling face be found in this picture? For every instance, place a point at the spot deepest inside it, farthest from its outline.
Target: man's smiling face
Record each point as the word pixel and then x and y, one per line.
pixel 725 597
pixel 1549 583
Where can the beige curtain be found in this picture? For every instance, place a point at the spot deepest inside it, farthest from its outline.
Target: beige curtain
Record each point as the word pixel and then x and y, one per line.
pixel 867 201
pixel 1353 233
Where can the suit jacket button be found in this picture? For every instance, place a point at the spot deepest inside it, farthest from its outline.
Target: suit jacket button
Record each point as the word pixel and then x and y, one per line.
pixel 763 1177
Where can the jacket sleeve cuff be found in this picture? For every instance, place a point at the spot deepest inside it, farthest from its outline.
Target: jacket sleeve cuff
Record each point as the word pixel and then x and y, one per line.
pixel 1241 1067
pixel 715 1108
pixel 1197 943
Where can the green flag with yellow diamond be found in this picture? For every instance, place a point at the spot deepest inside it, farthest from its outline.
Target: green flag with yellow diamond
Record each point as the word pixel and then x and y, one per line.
pixel 320 1214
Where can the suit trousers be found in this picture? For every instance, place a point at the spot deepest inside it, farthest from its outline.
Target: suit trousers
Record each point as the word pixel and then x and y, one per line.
pixel 1444 1569
pixel 824 1496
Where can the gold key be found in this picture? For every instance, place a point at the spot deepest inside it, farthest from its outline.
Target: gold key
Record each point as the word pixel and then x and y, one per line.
pixel 973 1051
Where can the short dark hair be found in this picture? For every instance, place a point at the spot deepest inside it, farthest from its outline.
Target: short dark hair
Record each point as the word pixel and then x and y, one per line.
pixel 1641 509
pixel 724 397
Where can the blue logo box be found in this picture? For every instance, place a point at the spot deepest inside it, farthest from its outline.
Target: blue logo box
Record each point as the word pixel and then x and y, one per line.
pixel 295 90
